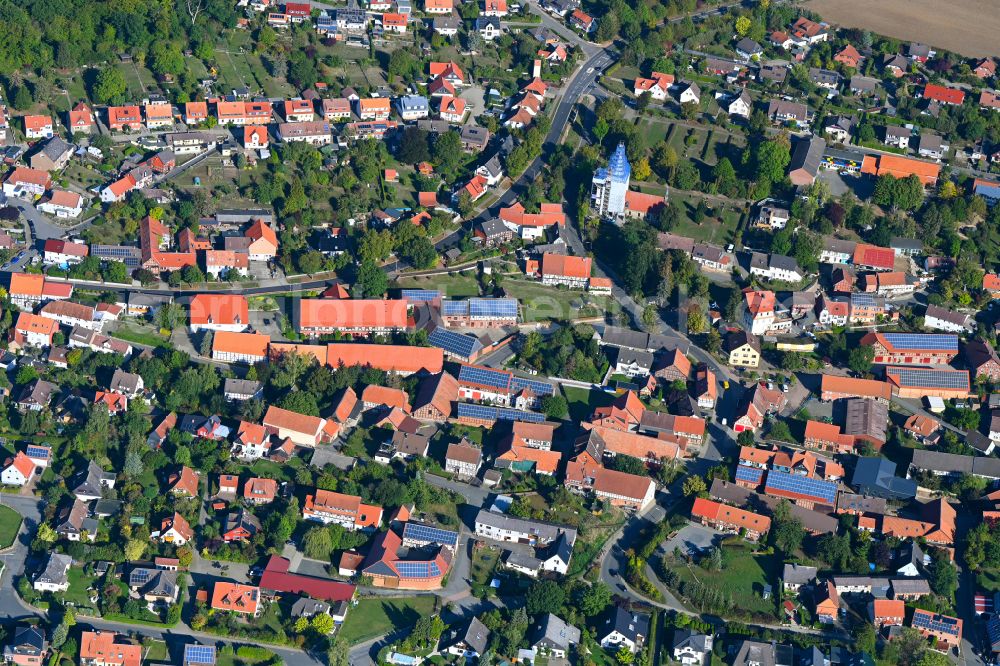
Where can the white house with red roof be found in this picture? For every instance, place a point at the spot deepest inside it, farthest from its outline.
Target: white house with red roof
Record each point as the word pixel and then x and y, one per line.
pixel 658 85
pixel 17 471
pixel 25 182
pixel 63 204
pixel 58 252
pixel 451 109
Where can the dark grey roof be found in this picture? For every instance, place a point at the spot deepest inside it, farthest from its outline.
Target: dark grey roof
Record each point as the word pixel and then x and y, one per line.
pixel 860 503
pixel 55 148
pixel 867 417
pixel 747 45
pixel 863 83
pixel 240 386
pixel 807 155
pixel 306 607
pixel 910 586
pixel 124 382
pixel 823 76
pixel 782 262
pixel 56 569
pixel 640 357
pixel 684 638
pixel 494 227
pixel 624 337
pixel 628 624
pixel 476 635
pixel 797 574
pixel 552 631
pixel 877 476
pixel 944 314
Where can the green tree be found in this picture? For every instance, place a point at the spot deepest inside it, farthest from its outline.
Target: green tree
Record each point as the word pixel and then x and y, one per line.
pixel 544 596
pixel 372 280
pixel 110 86
pixel 860 359
pixel 317 543
pixel 554 407
pixel 694 485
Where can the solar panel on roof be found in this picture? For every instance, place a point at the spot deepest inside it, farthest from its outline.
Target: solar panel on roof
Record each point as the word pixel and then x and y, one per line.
pixel 420 295
pixel 459 344
pixel 199 654
pixel 418 569
pixel 493 307
pixel 33 451
pixel 926 378
pixel 487 413
pixel 474 374
pixel 934 341
pixel 139 577
pixel 749 474
pixel 429 534
pixel 454 308
pixel 815 489
pixel 942 623
pixel 862 299
pixel 536 387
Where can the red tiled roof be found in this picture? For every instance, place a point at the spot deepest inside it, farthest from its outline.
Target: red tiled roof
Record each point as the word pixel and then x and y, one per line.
pixel 943 94
pixel 220 309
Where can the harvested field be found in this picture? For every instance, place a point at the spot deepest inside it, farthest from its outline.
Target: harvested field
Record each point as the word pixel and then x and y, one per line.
pixel 967 27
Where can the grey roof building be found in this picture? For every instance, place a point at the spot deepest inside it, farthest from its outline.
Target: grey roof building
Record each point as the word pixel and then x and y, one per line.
pixel 806 158
pixel 90 481
pixel 877 477
pixel 552 633
pixel 796 575
pixel 56 571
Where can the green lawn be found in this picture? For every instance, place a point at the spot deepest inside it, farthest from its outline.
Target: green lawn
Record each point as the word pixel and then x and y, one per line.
pixel 140 337
pixel 78 584
pixel 452 285
pixel 988 580
pixel 742 577
pixel 717 230
pixel 543 303
pixel 10 524
pixel 374 617
pixel 157 651
pixel 582 402
pixel 484 562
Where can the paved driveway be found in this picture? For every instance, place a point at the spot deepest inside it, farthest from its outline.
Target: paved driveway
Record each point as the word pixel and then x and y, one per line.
pixel 693 539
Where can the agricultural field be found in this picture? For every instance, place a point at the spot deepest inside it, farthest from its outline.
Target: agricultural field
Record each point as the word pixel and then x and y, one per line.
pixel 922 21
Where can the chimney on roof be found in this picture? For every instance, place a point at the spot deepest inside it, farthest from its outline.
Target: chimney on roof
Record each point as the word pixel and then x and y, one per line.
pixel 536 70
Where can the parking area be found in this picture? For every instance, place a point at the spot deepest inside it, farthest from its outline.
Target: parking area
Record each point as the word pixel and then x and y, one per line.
pixel 693 539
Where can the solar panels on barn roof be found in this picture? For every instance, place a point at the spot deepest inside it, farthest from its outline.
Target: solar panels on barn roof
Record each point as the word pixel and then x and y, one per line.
pixel 420 295
pixel 795 485
pixel 475 374
pixel 417 569
pixel 935 341
pixel 429 534
pixel 929 378
pixel 487 413
pixel 463 346
pixel 536 387
pixel 503 308
pixel 749 474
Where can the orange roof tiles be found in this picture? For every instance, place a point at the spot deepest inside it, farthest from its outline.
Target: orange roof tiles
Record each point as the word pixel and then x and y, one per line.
pixel 391 358
pixel 235 597
pixel 943 94
pixel 730 515
pixel 185 481
pixel 549 214
pixel 244 344
pixel 355 313
pixel 219 309
pixel 285 419
pixel 900 167
pixel 102 647
pixel 565 265
pixel 449 69
pixel 383 395
pixel 23 464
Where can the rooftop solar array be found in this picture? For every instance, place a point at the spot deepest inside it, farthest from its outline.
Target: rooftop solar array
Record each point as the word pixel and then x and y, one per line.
pixel 463 346
pixel 476 374
pixel 501 308
pixel 487 413
pixel 418 569
pixel 139 577
pixel 420 295
pixel 860 298
pixel 817 490
pixel 941 623
pixel 34 451
pixel 199 654
pixel 428 534
pixel 749 474
pixel 933 341
pixel 454 308
pixel 928 378
pixel 537 387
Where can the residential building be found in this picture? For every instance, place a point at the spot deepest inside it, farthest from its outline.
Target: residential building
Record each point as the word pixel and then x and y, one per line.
pixel 463 459
pixel 236 598
pixel 327 507
pixel 55 576
pixel 106 648
pixel 622 628
pixel 730 519
pixel 742 348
